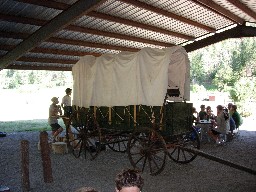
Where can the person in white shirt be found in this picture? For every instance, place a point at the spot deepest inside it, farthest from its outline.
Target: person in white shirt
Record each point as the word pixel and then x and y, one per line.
pixel 220 125
pixel 66 103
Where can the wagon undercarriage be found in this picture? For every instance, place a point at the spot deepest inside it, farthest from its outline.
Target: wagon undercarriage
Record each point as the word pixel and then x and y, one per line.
pixel 148 134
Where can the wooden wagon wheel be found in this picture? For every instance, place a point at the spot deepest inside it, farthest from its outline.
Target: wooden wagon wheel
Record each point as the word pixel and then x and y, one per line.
pixel 147 151
pixel 84 135
pixel 117 142
pixel 185 140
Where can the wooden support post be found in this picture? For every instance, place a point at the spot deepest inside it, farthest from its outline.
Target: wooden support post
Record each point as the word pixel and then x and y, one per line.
pixel 109 116
pixel 25 165
pixel 134 115
pixel 46 160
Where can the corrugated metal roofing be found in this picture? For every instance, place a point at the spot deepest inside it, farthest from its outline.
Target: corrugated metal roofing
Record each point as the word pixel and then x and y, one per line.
pixel 113 26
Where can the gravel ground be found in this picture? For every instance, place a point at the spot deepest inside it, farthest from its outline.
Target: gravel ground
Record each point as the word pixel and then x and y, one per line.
pixel 70 173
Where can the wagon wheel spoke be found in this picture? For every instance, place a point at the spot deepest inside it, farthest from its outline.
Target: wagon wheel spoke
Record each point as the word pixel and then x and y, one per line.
pixel 147 151
pixel 77 148
pixel 117 143
pixel 93 137
pixel 144 163
pixel 190 140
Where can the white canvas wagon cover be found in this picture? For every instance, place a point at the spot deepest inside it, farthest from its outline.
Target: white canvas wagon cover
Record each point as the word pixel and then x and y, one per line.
pixel 131 78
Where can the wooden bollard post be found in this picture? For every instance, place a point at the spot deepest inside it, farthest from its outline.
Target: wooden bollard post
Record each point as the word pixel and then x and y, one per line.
pixel 25 165
pixel 45 154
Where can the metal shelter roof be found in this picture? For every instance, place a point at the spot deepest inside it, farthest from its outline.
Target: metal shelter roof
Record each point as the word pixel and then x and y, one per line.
pixel 52 35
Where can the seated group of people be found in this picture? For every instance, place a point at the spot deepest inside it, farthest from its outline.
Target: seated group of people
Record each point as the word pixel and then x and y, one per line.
pixel 225 122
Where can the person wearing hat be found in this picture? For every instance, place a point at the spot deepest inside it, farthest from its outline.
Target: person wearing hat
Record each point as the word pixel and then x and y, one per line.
pixel 54 115
pixel 66 103
pixel 202 113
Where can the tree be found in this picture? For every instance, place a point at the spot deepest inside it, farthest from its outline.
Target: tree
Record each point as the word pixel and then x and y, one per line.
pixel 197 72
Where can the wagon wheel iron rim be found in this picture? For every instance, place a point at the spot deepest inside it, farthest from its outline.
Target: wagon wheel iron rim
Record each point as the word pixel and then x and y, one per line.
pixel 147 151
pixel 176 150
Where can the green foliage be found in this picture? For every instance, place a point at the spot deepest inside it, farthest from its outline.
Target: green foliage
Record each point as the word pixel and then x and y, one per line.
pixel 242 90
pixel 13 79
pixel 222 65
pixel 223 77
pixel 197 68
pixel 198 88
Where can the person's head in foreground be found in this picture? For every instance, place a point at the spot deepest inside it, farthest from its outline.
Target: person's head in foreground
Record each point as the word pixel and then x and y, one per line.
pixel 86 189
pixel 129 180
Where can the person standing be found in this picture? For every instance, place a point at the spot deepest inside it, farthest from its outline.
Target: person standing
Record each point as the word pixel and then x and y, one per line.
pixel 236 116
pixel 66 103
pixel 54 115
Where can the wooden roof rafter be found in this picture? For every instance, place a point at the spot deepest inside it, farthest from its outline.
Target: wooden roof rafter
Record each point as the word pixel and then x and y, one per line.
pixel 243 7
pixel 220 10
pixel 74 28
pixel 47 3
pixel 118 20
pixel 168 14
pixel 69 42
pixel 137 24
pixel 5 47
pixel 46 60
pixel 59 22
pixel 31 66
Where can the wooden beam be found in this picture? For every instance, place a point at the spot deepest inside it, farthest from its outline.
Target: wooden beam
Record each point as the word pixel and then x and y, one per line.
pixel 236 32
pixel 137 24
pixel 243 7
pixel 220 10
pixel 46 60
pixel 90 44
pixel 65 18
pixel 117 35
pixel 13 35
pixel 47 3
pixel 5 47
pixel 38 22
pixel 118 20
pixel 168 14
pixel 38 67
pixel 73 42
pixel 24 20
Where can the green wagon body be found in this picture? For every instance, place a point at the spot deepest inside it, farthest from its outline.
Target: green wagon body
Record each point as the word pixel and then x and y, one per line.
pixel 174 118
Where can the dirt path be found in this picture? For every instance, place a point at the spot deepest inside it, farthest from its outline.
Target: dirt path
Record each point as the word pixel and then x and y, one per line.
pixel 70 173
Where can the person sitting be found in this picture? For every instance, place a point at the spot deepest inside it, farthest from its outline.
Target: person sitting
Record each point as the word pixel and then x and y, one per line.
pixel 129 180
pixel 229 108
pixel 195 115
pixel 54 115
pixel 220 125
pixel 202 114
pixel 86 189
pixel 210 115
